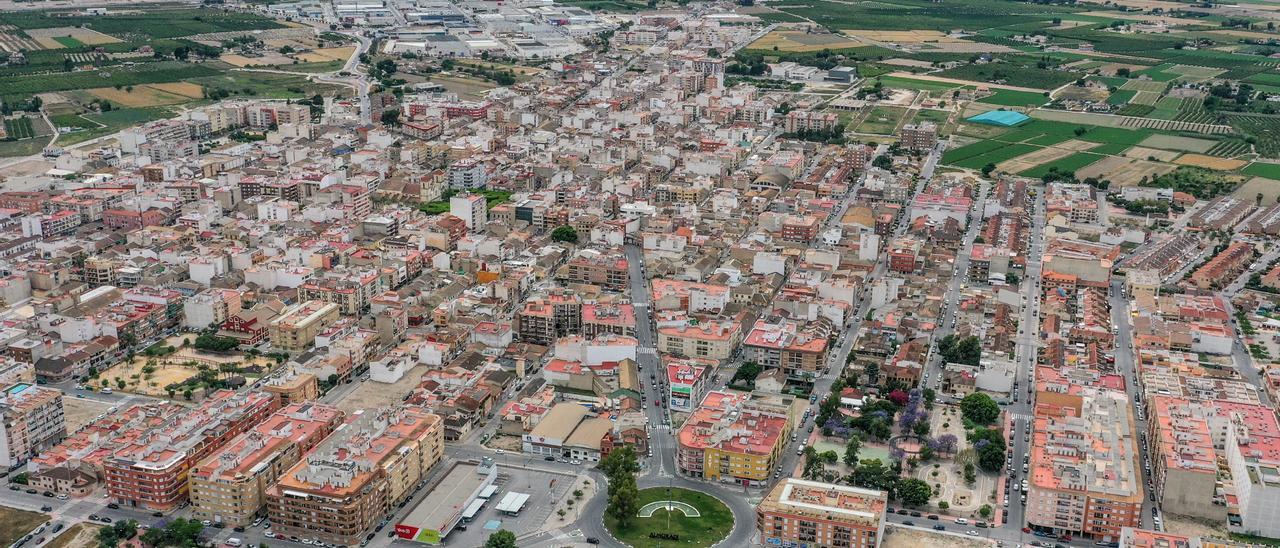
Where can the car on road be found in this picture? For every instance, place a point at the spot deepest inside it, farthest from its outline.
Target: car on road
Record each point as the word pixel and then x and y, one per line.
pixel 961 521
pixel 909 523
pixel 971 532
pixel 940 527
pixel 46 508
pixel 113 506
pixel 593 540
pixel 271 534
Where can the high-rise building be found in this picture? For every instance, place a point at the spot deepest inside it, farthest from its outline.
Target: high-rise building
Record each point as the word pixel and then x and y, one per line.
pixel 31 421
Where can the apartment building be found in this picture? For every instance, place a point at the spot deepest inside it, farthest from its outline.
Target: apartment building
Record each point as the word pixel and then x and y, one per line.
pixel 1074 202
pixel 799 512
pixel 471 208
pixel 733 438
pixel 607 270
pixel 31 420
pixel 230 486
pixel 1252 447
pixel 798 348
pixel 921 136
pixel 351 290
pixel 1084 478
pixel 545 319
pixel 355 476
pixel 293 387
pixel 806 120
pixel 617 319
pixel 687 381
pixel 1184 463
pixel 714 340
pixel 296 328
pixel 150 469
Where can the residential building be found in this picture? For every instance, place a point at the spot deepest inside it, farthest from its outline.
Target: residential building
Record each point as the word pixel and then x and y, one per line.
pixel 799 512
pixel 733 438
pixel 798 348
pixel 353 478
pixel 31 421
pixel 229 486
pixel 296 328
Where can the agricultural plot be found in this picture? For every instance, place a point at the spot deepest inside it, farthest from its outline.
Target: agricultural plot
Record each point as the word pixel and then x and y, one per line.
pixel 1135 110
pixel 1229 148
pixel 985 152
pixel 1013 74
pixel 1173 142
pixel 1145 98
pixel 1066 164
pixel 69 37
pixel 1144 85
pixel 12 39
pixel 898 82
pixel 1123 171
pixel 153 23
pixel 1263 169
pixel 1014 98
pixel 23 86
pixel 921 14
pixel 1195 73
pixel 800 41
pixel 1265 131
pixel 1121 97
pixel 1032 159
pixel 1210 162
pixel 1154 154
pixel 881 120
pixel 139 96
pixel 1174 125
pixel 19 128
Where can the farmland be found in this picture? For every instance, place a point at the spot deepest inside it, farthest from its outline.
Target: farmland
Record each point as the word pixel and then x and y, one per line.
pixel 153 23
pixel 19 128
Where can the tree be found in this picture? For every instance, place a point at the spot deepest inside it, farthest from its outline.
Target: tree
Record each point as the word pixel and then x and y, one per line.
pixel 989 444
pixel 179 532
pixel 979 408
pixel 1012 279
pixel 501 538
pixel 914 492
pixel 624 501
pixel 215 343
pixel 121 383
pixel 985 511
pixel 851 448
pixel 565 233
pixel 619 462
pixel 987 169
pixel 390 117
pixel 333 379
pixel 882 161
pixel 812 463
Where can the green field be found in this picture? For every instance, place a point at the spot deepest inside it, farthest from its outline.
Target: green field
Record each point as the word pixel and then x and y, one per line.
pixel 1014 98
pixel 1068 164
pixel 68 41
pixel 112 122
pixel 265 84
pixel 918 85
pixel 1263 169
pixel 22 87
pixel 714 524
pixel 984 152
pixel 1121 97
pixel 153 22
pixel 881 120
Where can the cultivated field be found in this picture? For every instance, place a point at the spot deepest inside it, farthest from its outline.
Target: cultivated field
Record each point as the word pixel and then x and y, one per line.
pixel 901 36
pixel 1033 159
pixel 326 54
pixel 1269 188
pixel 1211 162
pixel 800 41
pixel 1144 153
pixel 1123 171
pixel 139 96
pixel 1172 142
pixel 49 37
pixel 1144 85
pixel 12 39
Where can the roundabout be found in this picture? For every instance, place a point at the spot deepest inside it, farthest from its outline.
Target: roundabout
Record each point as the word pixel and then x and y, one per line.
pixel 674 516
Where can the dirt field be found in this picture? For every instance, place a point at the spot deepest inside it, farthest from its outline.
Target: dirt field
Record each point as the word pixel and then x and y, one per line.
pixel 902 36
pixel 169 369
pixel 140 96
pixel 1211 162
pixel 903 537
pixel 794 40
pixel 1179 525
pixel 1269 188
pixel 1086 93
pixel 15 523
pixel 1144 153
pixel 194 91
pixel 326 54
pixel 79 411
pixel 1173 142
pixel 45 37
pixel 371 395
pixel 1123 171
pixel 78 536
pixel 1033 159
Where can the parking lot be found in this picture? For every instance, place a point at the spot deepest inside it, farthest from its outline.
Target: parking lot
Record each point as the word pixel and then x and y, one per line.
pixel 543 488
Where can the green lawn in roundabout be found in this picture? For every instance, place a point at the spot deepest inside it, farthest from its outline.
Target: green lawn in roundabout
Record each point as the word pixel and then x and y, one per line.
pixel 714 524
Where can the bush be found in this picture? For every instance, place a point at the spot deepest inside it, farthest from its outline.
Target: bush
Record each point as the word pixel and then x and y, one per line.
pixel 216 343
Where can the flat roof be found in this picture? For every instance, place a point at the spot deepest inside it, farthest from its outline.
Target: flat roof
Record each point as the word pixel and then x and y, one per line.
pixel 513 502
pixel 448 499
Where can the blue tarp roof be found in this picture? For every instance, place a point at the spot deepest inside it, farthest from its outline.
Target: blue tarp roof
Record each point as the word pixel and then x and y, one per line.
pixel 1000 118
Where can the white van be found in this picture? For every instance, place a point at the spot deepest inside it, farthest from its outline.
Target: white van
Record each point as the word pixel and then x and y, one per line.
pixel 233 541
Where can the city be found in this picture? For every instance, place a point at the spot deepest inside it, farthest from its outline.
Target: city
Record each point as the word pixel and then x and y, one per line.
pixel 551 273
